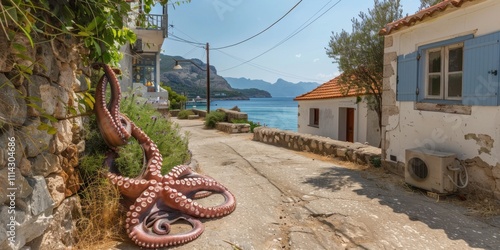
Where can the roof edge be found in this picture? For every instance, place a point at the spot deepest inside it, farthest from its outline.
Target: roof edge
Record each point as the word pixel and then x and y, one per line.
pixel 422 15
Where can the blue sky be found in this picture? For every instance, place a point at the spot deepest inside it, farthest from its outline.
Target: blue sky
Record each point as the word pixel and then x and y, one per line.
pixel 298 58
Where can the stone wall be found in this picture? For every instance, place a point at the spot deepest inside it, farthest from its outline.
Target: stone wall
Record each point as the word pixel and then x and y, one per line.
pixel 353 152
pixel 234 115
pixel 233 128
pixel 199 112
pixel 38 180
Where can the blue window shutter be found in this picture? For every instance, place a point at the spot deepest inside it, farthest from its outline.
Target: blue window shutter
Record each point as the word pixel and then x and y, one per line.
pixel 481 61
pixel 407 77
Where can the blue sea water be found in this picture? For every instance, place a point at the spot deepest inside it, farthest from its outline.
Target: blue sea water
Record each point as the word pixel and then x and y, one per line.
pixel 275 112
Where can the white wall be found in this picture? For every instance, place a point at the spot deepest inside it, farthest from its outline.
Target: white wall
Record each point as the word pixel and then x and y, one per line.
pixel 126 68
pixel 332 120
pixel 446 132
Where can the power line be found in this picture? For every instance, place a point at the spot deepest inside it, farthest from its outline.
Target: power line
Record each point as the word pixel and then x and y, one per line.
pixel 294 33
pixel 238 43
pixel 297 31
pixel 274 71
pixel 172 26
pixel 180 39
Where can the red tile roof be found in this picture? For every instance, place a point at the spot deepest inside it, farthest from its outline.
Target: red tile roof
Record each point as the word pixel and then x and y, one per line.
pixel 328 90
pixel 421 15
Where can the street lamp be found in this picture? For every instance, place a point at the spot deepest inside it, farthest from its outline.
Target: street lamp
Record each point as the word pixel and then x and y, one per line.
pixel 178 66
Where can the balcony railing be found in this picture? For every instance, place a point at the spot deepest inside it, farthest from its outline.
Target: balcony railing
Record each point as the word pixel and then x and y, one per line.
pixel 153 22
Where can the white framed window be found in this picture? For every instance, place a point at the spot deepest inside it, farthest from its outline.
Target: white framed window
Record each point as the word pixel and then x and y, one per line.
pixel 444 72
pixel 467 72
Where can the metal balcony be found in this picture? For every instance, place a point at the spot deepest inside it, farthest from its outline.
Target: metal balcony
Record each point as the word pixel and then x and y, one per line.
pixel 154 22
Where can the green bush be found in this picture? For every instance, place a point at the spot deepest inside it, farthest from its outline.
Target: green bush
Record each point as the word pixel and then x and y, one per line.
pixel 213 118
pixel 184 114
pixel 252 124
pixel 376 161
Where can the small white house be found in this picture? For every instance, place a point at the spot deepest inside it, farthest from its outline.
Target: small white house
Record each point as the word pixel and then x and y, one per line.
pixel 332 111
pixel 442 88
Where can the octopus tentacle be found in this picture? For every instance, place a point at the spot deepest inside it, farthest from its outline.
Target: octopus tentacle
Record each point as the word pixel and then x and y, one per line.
pixel 152 156
pixel 130 187
pixel 152 230
pixel 186 194
pixel 113 127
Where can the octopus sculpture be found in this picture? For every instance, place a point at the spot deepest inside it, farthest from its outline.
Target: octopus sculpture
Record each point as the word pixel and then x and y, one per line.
pixel 155 201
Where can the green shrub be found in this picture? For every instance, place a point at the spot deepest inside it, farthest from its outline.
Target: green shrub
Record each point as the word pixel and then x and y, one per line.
pixel 213 118
pixel 184 114
pixel 376 161
pixel 252 124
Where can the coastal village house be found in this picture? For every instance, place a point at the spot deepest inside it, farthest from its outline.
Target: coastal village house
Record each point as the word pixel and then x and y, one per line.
pixel 441 90
pixel 141 63
pixel 332 111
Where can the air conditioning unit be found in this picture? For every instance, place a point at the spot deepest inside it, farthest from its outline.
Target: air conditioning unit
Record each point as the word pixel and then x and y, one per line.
pixel 431 170
pixel 137 46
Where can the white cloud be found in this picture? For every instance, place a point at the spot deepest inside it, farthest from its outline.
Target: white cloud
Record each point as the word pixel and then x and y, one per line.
pixel 316 59
pixel 326 76
pixel 298 55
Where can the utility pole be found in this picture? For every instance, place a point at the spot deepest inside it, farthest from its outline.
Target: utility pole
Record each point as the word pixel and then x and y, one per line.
pixel 208 78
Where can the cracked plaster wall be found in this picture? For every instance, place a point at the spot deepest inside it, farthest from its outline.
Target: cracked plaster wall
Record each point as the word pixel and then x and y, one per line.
pixel 471 132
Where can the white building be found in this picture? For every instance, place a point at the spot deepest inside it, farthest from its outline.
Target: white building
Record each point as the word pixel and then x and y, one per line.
pixel 441 87
pixel 141 63
pixel 338 113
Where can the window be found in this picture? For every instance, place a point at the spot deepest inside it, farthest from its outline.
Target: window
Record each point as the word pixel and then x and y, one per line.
pixel 444 72
pixel 460 71
pixel 314 117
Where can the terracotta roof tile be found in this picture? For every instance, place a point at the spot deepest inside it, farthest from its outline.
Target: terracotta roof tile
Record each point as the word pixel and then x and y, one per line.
pixel 421 15
pixel 328 90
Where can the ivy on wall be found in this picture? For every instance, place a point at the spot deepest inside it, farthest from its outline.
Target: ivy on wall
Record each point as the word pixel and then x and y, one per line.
pixel 99 29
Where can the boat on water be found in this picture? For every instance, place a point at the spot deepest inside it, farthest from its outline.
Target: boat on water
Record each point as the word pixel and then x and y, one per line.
pixel 198 101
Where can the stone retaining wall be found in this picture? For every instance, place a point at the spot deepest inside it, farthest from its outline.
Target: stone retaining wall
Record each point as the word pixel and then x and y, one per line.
pixel 38 176
pixel 234 115
pixel 233 128
pixel 201 113
pixel 354 152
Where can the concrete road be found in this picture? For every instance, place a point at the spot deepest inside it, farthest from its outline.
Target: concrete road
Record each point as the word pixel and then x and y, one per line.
pixel 289 200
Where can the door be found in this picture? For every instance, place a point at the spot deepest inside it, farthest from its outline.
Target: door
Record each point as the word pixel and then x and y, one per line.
pixel 349 125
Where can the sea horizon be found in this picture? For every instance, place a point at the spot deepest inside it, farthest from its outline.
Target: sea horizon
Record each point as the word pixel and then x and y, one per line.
pixel 274 112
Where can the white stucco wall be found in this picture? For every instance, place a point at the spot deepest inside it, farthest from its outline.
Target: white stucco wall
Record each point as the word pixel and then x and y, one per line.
pixel 330 110
pixel 448 132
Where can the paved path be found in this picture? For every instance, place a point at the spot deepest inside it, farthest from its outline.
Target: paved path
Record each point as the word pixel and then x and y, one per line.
pixel 287 200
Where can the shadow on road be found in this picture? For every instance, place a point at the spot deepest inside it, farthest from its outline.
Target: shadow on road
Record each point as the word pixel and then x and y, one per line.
pixel 440 215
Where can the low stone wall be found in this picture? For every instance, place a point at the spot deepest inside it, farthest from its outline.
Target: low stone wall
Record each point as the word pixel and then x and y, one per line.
pixel 174 112
pixel 233 128
pixel 234 115
pixel 201 113
pixel 353 152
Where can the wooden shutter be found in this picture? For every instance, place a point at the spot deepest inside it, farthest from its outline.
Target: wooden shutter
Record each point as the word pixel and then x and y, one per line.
pixel 481 70
pixel 406 87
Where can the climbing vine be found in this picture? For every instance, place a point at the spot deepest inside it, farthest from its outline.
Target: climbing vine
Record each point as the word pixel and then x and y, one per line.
pixel 99 28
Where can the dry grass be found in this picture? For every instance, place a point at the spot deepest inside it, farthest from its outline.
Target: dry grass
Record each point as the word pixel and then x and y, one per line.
pixel 480 203
pixel 103 219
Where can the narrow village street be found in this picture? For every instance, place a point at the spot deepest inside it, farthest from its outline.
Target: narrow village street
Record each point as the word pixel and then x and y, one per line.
pixel 290 200
pixel 287 200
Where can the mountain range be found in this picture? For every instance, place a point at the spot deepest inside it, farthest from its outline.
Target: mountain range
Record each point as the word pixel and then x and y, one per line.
pixel 278 89
pixel 191 81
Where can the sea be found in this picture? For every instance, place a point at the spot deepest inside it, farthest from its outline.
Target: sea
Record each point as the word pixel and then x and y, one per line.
pixel 275 112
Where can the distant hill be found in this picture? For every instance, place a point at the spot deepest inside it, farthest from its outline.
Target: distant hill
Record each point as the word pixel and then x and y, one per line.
pixel 191 81
pixel 277 89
